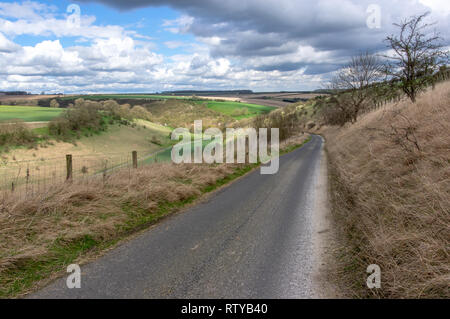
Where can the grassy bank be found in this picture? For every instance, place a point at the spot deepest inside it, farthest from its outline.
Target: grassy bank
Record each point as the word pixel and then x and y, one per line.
pixel 390 181
pixel 44 234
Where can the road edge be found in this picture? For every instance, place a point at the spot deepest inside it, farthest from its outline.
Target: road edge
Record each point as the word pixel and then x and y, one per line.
pixel 323 233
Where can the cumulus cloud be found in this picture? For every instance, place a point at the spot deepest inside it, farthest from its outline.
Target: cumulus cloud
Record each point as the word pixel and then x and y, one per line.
pixel 113 59
pixel 27 10
pixel 33 18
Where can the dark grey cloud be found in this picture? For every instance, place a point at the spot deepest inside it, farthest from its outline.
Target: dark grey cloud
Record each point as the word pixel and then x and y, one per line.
pixel 314 69
pixel 251 29
pixel 283 67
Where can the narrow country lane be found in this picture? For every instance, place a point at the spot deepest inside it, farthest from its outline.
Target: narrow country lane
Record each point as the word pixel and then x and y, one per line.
pixel 252 239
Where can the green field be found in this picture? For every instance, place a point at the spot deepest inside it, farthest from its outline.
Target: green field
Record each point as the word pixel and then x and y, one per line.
pixel 229 108
pixel 28 113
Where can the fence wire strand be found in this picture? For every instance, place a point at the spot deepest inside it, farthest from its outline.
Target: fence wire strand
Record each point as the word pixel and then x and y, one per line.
pixel 26 179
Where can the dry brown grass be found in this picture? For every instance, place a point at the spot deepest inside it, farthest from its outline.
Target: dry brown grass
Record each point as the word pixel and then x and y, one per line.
pixel 98 208
pixel 391 197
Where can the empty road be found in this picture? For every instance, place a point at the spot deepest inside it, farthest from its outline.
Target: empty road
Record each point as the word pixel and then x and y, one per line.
pixel 251 239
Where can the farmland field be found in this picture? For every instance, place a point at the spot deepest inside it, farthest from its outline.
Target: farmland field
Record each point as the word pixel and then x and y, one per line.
pixel 28 113
pixel 229 108
pixel 123 96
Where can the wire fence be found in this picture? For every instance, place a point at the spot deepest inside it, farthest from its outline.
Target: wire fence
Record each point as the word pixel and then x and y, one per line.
pixel 26 179
pixel 397 96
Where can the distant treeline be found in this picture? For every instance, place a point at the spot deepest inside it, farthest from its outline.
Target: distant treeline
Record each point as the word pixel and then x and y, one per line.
pixel 65 102
pixel 296 100
pixel 186 92
pixel 13 93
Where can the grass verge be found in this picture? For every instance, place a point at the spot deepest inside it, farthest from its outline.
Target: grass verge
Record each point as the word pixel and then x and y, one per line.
pixel 390 191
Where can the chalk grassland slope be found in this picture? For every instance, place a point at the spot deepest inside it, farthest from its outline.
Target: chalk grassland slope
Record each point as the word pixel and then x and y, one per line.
pixel 153 126
pixel 28 113
pixel 391 196
pixel 45 164
pixel 175 113
pixel 117 139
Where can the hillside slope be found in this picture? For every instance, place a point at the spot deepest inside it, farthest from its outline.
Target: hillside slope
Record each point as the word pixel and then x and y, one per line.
pixel 390 179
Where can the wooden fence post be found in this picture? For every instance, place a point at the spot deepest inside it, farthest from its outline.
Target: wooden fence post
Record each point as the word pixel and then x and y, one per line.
pixel 104 172
pixel 134 155
pixel 69 167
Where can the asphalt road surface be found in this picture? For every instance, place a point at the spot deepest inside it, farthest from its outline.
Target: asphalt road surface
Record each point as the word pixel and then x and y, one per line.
pixel 252 239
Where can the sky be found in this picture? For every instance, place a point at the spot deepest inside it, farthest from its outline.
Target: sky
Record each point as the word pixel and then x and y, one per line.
pixel 112 46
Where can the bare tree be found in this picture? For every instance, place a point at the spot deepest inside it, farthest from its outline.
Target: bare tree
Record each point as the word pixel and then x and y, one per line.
pixel 352 84
pixel 417 55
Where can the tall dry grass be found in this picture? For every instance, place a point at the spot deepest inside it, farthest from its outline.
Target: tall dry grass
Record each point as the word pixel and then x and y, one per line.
pixel 98 208
pixel 390 179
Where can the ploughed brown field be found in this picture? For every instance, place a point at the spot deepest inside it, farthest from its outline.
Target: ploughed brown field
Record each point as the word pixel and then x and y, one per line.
pixel 26 97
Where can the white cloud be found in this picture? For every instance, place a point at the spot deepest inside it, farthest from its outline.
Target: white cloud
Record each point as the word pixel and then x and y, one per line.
pixel 48 64
pixel 174 44
pixel 261 45
pixel 29 10
pixel 215 40
pixel 37 19
pixel 438 6
pixel 180 25
pixel 7 45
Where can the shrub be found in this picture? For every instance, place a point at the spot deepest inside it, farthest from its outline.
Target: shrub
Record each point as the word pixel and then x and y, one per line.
pixel 240 112
pixel 156 140
pixel 286 120
pixel 140 112
pixel 54 103
pixel 84 115
pixel 16 134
